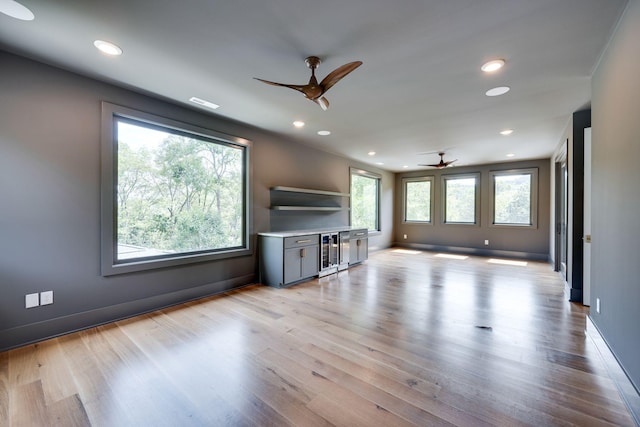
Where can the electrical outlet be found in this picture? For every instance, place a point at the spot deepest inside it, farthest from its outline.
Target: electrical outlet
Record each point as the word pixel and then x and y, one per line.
pixel 598 305
pixel 405 236
pixel 486 243
pixel 31 300
pixel 46 298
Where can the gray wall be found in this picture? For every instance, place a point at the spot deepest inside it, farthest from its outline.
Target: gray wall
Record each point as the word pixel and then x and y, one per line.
pixel 296 165
pixel 503 241
pixel 615 267
pixel 50 203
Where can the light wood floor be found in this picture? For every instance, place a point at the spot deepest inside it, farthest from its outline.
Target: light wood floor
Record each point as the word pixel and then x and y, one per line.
pixel 404 339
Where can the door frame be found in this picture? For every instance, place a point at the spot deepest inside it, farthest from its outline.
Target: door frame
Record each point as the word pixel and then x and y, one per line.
pixel 561 212
pixel 586 247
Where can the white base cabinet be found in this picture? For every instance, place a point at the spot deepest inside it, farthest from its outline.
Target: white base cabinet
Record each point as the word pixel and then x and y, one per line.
pixel 358 246
pixel 287 258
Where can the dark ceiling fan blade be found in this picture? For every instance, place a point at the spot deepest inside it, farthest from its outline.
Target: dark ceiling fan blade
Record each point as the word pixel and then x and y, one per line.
pixel 299 88
pixel 433 166
pixel 442 163
pixel 336 75
pixel 313 90
pixel 322 102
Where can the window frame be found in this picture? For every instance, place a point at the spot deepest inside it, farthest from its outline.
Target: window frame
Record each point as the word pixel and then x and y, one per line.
pixel 533 213
pixel 110 265
pixel 378 178
pixel 443 183
pixel 407 180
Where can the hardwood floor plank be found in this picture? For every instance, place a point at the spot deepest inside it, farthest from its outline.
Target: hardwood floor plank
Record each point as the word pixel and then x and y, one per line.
pixel 188 366
pixel 68 412
pixel 4 389
pixel 502 383
pixel 407 381
pixel 215 387
pixel 132 371
pixel 29 408
pixel 399 340
pixel 323 368
pixel 396 397
pixel 23 366
pixel 336 413
pixel 288 397
pixel 98 398
pixel 329 397
pixel 54 372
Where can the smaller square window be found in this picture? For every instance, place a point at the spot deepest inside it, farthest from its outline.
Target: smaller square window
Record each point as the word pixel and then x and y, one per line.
pixel 418 199
pixel 514 195
pixel 461 199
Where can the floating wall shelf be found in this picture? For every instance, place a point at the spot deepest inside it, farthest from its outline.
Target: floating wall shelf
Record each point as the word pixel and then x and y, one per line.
pixel 310 191
pixel 308 208
pixel 311 206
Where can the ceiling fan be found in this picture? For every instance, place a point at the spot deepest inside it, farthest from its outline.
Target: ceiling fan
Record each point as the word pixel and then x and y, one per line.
pixel 314 91
pixel 442 163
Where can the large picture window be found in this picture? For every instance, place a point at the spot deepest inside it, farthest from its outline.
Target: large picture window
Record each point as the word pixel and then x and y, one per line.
pixel 418 199
pixel 172 193
pixel 461 199
pixel 365 199
pixel 514 197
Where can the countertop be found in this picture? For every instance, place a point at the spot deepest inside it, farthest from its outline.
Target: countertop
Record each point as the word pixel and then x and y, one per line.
pixel 308 232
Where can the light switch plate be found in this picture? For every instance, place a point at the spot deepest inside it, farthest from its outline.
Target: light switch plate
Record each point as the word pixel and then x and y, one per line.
pixel 31 300
pixel 46 298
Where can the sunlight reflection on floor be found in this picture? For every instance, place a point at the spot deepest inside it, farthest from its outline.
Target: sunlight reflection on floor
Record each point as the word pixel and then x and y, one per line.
pixel 507 262
pixel 451 256
pixel 406 251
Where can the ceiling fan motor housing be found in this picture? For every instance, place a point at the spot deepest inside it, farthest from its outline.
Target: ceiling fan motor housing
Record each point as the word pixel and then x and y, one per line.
pixel 312 62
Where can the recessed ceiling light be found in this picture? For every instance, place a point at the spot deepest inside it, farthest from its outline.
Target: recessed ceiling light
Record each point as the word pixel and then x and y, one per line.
pixel 405 166
pixel 204 103
pixel 510 155
pixel 506 132
pixel 497 91
pixel 491 66
pixel 16 10
pixel 379 163
pixel 107 47
pixel 298 123
pixel 324 132
pixel 372 153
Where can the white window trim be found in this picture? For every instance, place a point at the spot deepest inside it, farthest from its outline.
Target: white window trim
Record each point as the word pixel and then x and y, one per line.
pixel 534 197
pixel 405 181
pixel 362 172
pixel 109 261
pixel 443 181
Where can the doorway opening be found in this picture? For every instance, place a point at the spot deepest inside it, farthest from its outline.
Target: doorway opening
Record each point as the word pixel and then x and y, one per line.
pixel 561 214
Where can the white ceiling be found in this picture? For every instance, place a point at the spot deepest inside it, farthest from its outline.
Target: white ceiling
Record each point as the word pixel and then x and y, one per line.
pixel 420 88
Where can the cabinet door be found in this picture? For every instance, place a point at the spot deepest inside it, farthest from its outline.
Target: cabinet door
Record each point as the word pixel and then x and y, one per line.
pixel 363 249
pixel 292 264
pixel 358 250
pixel 310 261
pixel 353 251
pixel 300 263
